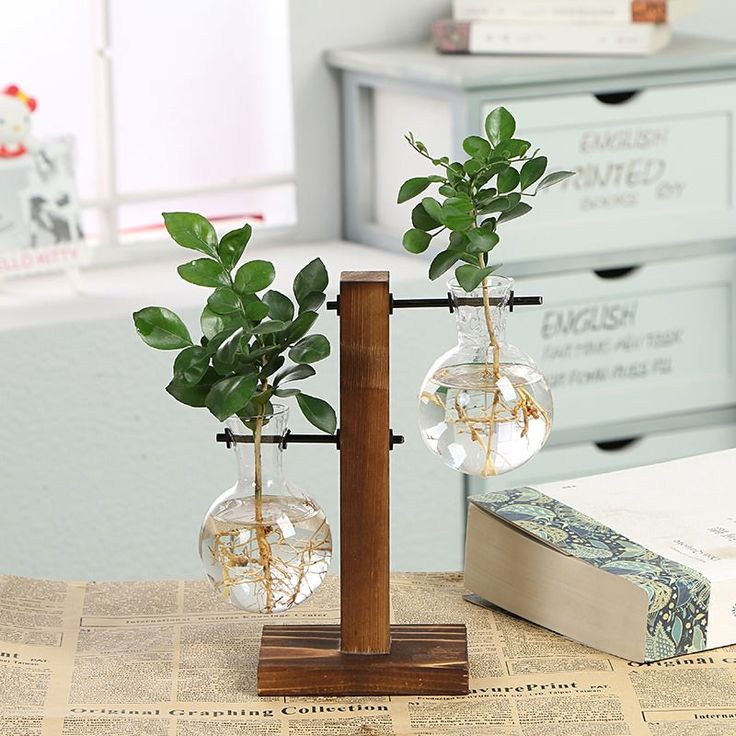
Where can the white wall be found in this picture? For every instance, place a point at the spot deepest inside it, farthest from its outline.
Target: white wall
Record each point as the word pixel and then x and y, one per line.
pixel 105 476
pixel 317 25
pixel 713 17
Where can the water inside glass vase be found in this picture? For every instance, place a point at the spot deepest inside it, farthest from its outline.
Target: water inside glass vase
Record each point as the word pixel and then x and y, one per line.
pixel 265 546
pixel 484 406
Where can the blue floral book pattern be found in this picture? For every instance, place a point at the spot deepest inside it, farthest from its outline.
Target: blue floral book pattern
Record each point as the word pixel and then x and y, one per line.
pixel 678 596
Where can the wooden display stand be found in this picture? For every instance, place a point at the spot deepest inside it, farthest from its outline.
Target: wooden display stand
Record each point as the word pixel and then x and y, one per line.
pixel 365 654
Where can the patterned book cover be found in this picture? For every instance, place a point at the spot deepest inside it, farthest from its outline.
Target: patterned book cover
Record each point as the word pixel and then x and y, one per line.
pixel 678 595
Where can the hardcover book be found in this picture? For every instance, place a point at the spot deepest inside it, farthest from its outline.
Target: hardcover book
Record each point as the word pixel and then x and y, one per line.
pixel 572 11
pixel 527 37
pixel 639 563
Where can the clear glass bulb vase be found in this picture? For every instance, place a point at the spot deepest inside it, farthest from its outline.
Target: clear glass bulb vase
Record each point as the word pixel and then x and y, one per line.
pixel 265 546
pixel 484 407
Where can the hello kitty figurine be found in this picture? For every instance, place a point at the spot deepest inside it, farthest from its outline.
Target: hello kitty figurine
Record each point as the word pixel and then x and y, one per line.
pixel 15 122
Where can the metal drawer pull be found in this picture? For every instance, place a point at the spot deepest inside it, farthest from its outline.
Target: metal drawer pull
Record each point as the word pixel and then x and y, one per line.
pixel 617 98
pixel 615 273
pixel 617 445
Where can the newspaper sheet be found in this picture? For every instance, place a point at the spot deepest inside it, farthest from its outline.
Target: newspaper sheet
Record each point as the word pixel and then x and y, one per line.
pixel 170 659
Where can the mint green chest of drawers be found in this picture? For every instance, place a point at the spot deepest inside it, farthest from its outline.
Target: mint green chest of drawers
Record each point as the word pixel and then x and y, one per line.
pixel 635 256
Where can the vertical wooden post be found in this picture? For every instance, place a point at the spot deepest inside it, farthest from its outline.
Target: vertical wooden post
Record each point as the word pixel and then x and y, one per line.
pixel 365 655
pixel 364 462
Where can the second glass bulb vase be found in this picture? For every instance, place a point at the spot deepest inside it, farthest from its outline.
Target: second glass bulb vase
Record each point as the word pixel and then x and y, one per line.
pixel 265 546
pixel 484 406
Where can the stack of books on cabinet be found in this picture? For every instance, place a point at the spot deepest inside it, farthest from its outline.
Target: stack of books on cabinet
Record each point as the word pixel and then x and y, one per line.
pixel 595 27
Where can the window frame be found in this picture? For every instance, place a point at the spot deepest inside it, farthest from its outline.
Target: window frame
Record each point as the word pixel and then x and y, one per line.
pixel 111 245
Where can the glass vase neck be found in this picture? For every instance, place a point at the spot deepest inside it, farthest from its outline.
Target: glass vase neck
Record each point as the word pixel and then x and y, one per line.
pixel 480 325
pixel 263 456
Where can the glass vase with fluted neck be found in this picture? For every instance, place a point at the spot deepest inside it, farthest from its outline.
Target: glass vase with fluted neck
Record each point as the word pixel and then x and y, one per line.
pixel 264 544
pixel 484 406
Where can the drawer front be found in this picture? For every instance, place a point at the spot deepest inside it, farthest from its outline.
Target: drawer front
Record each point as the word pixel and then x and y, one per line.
pixel 626 345
pixel 653 168
pixel 588 458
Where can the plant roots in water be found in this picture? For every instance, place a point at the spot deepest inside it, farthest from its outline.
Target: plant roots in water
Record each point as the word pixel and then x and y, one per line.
pixel 485 425
pixel 270 565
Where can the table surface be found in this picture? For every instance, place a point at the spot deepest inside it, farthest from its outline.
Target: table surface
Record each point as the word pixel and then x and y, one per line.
pixel 171 658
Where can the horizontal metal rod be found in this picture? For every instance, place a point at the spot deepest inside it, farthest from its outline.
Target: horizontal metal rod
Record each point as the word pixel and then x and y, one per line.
pixel 289 438
pixel 451 301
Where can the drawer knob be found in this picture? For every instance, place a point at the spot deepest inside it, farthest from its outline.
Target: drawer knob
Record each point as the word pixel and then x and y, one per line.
pixel 615 273
pixel 616 98
pixel 617 445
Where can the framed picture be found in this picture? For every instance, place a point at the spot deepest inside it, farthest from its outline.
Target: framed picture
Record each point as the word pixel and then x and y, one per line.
pixel 40 219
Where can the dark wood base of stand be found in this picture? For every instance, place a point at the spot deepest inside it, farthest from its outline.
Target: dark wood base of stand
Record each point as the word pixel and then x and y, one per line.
pixel 306 660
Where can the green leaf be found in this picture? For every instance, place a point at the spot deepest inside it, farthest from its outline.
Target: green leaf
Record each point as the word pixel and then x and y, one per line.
pixel 230 395
pixel 459 222
pixel 312 302
pixel 285 393
pixel 255 309
pixel 477 147
pixel 161 328
pixel 412 188
pixel 192 395
pixel 318 413
pixel 226 353
pixel 191 230
pixel 416 241
pixel 220 337
pixel 485 196
pixel 421 220
pixel 500 126
pixel 555 178
pixel 470 277
pixel 433 208
pixel 520 210
pixel 301 325
pixel 533 170
pixel 458 241
pixel 268 328
pixel 496 205
pixel 508 180
pixel 271 366
pixel 279 306
pixel 443 262
pixel 224 300
pixel 482 240
pixel 294 373
pixel 310 349
pixel 191 364
pixel 313 277
pixel 460 205
pixel 472 167
pixel 447 191
pixel 232 245
pixel 513 198
pixel 254 276
pixel 213 324
pixel 203 272
pixel 514 148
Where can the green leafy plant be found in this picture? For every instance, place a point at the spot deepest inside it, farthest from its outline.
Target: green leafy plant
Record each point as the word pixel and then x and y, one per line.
pixel 240 363
pixel 255 344
pixel 474 199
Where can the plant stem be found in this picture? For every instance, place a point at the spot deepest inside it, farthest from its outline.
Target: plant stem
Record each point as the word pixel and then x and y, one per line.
pixel 264 548
pixel 489 326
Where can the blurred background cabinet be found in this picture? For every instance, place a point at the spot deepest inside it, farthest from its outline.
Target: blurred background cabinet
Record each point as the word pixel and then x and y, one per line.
pixel 634 256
